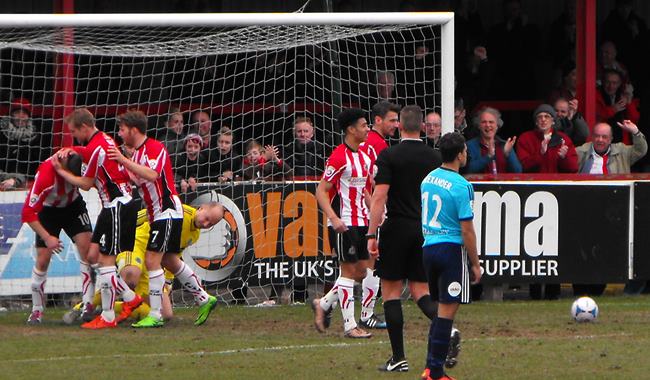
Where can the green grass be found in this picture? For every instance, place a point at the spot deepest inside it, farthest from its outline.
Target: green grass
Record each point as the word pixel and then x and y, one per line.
pixel 505 340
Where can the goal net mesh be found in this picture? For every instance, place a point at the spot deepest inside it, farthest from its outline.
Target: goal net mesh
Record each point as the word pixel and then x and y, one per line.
pixel 256 81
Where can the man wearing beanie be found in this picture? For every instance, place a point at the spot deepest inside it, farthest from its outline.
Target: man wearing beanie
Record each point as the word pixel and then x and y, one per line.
pixel 544 149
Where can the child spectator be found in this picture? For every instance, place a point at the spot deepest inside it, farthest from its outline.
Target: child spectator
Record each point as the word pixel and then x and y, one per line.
pixel 191 165
pixel 264 163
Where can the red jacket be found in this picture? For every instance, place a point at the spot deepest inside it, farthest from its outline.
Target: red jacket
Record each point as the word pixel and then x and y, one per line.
pixel 607 114
pixel 529 146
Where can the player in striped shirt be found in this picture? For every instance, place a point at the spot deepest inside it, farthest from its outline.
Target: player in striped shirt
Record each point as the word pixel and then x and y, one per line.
pixel 349 171
pixel 53 205
pixel 150 168
pixel 385 117
pixel 115 227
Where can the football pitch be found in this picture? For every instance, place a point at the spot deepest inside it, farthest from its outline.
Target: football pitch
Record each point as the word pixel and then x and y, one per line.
pixel 501 340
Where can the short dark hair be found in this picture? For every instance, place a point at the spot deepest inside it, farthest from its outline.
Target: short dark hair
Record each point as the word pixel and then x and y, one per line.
pixel 349 117
pixel 459 104
pixel 382 108
pixel 134 119
pixel 411 118
pixel 74 164
pixel 451 144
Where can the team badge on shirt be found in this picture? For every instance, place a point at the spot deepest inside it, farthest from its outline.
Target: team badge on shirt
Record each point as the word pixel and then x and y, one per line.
pixel 454 289
pixel 329 171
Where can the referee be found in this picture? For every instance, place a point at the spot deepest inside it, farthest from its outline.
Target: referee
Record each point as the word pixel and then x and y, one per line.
pixel 400 170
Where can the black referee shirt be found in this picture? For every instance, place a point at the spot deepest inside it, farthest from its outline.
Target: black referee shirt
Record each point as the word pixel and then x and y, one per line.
pixel 403 167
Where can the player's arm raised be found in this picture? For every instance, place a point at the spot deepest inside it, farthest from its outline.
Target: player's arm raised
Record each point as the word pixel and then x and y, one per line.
pixel 469 240
pixel 322 196
pixel 132 166
pixel 377 207
pixel 84 183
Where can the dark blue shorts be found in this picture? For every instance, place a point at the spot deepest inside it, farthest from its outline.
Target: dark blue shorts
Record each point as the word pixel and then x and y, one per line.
pixel 447 271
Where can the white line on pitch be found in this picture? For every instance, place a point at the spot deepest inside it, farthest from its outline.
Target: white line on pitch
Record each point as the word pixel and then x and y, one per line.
pixel 294 347
pixel 197 353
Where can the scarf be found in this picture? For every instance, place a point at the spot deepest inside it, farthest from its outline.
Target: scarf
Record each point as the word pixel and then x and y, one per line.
pixel 19 134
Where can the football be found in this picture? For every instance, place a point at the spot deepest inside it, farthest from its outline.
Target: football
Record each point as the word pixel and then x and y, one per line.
pixel 584 309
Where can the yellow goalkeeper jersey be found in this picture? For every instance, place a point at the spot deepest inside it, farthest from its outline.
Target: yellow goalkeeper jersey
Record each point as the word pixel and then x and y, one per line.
pixel 189 235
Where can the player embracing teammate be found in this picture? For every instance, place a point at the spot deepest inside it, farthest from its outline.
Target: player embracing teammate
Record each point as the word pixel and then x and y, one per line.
pixel 115 228
pixel 150 168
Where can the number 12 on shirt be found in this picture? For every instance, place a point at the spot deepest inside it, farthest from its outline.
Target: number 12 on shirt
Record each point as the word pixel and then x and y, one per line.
pixel 437 203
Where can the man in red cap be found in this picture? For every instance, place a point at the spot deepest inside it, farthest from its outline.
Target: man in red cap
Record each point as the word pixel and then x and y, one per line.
pixel 22 146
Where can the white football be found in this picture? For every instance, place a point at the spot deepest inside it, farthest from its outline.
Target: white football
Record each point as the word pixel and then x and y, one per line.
pixel 584 309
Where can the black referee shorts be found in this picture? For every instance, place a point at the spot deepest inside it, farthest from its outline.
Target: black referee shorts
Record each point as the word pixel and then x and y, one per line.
pixel 350 246
pixel 73 219
pixel 400 251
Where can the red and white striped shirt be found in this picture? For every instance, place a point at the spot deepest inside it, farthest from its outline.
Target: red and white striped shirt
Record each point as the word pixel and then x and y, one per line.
pixel 48 190
pixel 376 141
pixel 350 172
pixel 111 179
pixel 160 196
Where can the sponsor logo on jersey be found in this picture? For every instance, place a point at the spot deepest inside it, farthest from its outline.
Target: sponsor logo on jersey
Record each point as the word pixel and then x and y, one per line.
pixel 358 181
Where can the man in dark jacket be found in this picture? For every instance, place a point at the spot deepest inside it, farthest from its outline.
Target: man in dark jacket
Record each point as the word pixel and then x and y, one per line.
pixel 303 154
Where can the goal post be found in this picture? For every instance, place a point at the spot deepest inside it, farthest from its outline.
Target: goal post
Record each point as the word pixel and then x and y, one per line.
pixel 254 73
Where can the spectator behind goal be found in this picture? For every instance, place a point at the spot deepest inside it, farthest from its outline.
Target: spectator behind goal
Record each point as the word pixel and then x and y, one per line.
pixel 190 166
pixel 303 154
pixel 264 163
pixel 173 134
pixel 225 161
pixel 22 144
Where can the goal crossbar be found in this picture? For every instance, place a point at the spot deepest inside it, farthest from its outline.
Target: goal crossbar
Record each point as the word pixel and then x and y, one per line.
pixel 444 19
pixel 221 19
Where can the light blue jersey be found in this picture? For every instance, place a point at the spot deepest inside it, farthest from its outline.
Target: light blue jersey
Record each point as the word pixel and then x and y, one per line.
pixel 447 200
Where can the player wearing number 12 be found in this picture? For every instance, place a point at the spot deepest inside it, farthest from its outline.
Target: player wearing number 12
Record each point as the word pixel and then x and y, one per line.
pixel 447 226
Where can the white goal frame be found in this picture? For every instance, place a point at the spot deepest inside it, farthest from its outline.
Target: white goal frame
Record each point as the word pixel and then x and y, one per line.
pixel 444 19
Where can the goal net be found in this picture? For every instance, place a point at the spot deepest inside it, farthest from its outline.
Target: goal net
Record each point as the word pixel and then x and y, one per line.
pixel 206 81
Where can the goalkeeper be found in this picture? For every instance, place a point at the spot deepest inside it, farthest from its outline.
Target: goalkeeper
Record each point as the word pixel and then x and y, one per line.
pixel 132 269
